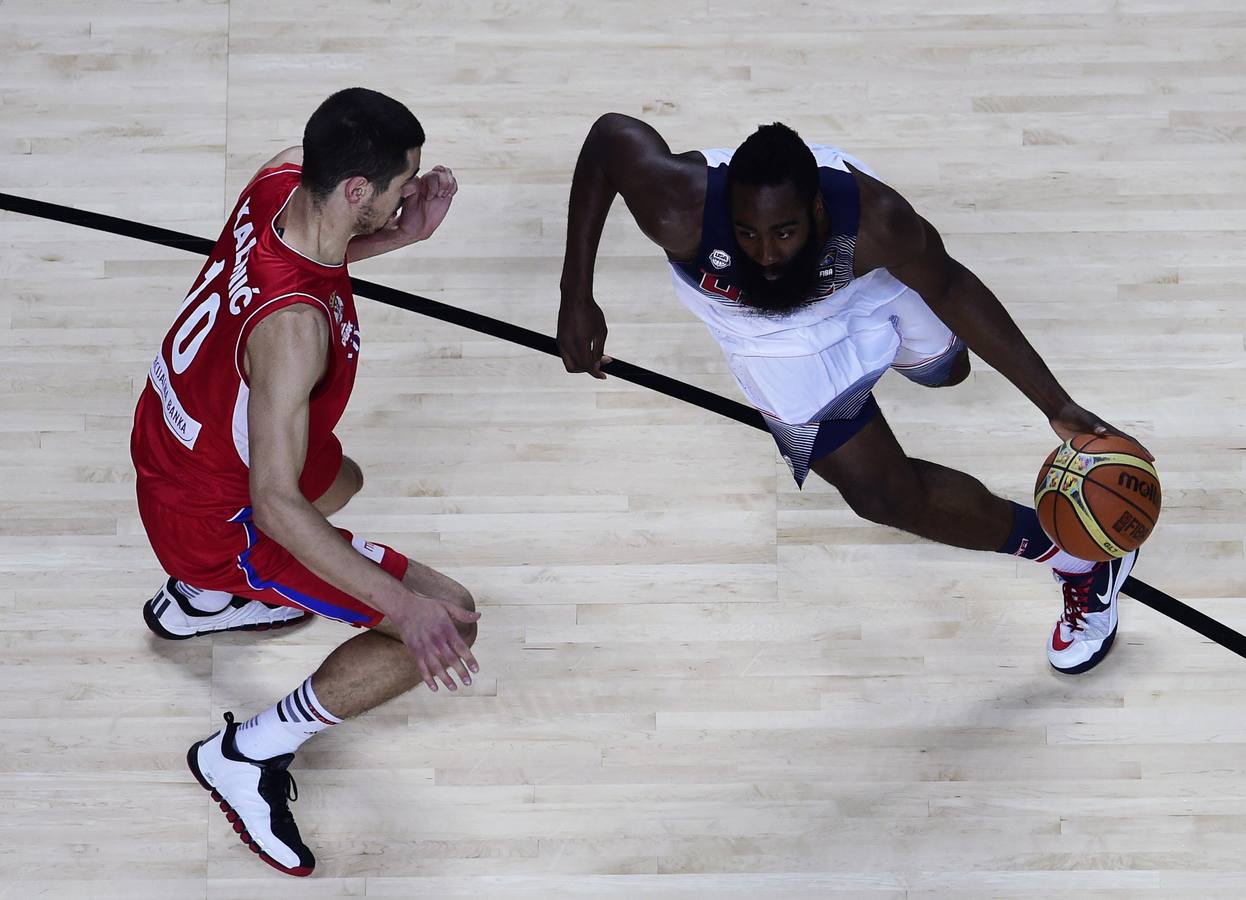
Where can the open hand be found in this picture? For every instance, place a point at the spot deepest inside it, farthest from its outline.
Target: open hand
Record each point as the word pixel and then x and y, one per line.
pixel 428 628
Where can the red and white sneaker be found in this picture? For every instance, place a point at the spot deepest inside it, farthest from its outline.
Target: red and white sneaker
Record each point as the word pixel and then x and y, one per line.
pixel 1086 630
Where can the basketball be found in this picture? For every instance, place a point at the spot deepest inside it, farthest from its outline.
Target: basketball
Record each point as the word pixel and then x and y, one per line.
pixel 1097 497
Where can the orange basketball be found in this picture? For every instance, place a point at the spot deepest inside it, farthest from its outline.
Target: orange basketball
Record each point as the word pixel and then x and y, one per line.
pixel 1097 497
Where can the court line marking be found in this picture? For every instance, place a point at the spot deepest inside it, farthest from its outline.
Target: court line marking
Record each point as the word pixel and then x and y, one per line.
pixel 1144 593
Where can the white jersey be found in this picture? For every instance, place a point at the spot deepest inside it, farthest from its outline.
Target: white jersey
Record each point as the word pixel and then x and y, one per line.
pixel 822 360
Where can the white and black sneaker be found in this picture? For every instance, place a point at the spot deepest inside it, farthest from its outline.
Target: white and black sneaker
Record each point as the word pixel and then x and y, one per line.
pixel 1086 629
pixel 171 616
pixel 254 795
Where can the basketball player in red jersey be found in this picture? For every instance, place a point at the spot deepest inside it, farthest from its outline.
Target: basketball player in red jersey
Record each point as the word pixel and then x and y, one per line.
pixel 816 278
pixel 238 467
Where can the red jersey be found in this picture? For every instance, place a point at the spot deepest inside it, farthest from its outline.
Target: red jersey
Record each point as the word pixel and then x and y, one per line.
pixel 190 442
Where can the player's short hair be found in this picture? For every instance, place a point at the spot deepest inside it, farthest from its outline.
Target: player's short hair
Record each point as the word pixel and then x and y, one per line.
pixel 775 154
pixel 357 132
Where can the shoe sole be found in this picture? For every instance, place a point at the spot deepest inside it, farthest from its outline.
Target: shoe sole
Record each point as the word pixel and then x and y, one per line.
pixel 153 623
pixel 1095 659
pixel 234 819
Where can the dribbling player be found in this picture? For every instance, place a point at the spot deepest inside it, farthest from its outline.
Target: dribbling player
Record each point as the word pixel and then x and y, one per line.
pixel 238 467
pixel 816 278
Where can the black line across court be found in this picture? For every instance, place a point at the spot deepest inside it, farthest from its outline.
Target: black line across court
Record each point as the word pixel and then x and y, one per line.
pixel 732 409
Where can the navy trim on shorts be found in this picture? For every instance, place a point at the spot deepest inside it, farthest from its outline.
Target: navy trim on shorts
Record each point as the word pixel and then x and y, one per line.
pixel 803 445
pixel 834 433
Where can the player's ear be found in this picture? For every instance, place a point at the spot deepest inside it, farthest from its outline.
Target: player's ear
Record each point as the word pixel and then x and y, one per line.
pixel 356 190
pixel 819 207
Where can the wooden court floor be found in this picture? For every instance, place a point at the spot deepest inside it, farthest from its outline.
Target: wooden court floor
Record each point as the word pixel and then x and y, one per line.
pixel 697 681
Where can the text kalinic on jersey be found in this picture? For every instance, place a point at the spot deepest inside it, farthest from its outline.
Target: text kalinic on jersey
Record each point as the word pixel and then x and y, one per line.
pixel 240 293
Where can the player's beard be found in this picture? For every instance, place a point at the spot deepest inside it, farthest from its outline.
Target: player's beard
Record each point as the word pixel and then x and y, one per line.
pixel 370 219
pixel 790 291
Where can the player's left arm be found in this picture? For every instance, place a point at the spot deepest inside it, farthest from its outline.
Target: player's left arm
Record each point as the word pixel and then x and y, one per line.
pixel 894 236
pixel 288 155
pixel 425 201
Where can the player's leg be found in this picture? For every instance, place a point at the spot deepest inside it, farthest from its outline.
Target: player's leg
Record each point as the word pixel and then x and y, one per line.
pixel 931 355
pixel 246 764
pixel 357 676
pixel 375 667
pixel 883 484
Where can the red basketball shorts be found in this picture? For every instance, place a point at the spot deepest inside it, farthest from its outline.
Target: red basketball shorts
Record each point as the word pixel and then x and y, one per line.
pixel 231 554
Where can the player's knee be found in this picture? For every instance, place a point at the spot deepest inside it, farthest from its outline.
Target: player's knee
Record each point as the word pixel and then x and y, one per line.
pixel 455 593
pixel 444 588
pixel 959 371
pixel 461 596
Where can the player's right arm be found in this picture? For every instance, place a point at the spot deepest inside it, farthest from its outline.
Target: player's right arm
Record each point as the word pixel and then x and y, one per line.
pixel 286 355
pixel 665 193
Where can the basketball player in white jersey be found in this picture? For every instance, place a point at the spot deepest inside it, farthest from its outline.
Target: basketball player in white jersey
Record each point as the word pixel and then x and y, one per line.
pixel 815 278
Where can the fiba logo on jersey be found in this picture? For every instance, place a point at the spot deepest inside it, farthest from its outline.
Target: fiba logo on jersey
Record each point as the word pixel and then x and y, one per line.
pixel 720 259
pixel 335 304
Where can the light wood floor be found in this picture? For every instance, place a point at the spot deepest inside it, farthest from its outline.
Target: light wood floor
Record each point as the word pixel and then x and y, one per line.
pixel 697 681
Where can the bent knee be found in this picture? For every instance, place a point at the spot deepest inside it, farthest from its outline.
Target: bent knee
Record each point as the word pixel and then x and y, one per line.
pixel 428 582
pixel 453 592
pixel 959 371
pixel 467 630
pixel 461 596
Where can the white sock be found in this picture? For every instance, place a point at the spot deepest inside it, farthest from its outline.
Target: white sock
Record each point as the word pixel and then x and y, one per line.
pixel 1066 563
pixel 204 601
pixel 284 726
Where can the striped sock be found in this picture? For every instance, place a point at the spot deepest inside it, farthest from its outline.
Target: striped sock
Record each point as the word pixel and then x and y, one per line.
pixel 1030 541
pixel 284 726
pixel 204 601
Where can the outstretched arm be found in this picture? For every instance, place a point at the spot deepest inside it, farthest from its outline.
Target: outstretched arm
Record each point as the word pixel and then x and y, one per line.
pixel 894 236
pixel 665 194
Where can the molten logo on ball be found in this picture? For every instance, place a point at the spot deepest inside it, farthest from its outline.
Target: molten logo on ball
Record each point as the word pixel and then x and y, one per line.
pixel 1148 490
